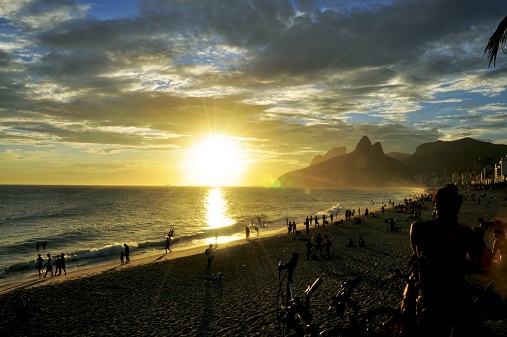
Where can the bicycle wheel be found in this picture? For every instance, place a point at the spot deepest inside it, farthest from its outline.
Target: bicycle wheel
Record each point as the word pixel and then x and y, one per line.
pixel 382 321
pixel 280 314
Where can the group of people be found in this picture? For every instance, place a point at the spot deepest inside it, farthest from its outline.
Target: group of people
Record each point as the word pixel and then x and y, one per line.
pixel 47 265
pixel 441 247
pixel 360 242
pixel 310 220
pixel 320 242
pixel 247 231
pixel 291 227
pixel 486 252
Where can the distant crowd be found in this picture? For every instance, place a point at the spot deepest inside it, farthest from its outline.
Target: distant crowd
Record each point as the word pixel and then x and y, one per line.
pixel 45 266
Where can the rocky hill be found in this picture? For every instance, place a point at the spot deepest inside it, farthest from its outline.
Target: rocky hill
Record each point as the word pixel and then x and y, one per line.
pixel 334 152
pixel 398 155
pixel 366 166
pixel 453 156
pixel 369 166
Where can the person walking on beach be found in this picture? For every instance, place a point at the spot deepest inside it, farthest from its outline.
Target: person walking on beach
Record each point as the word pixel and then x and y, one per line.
pixel 247 232
pixel 209 254
pixel 127 253
pixel 168 244
pixel 122 258
pixel 58 265
pixel 39 263
pixel 62 265
pixel 440 246
pixel 49 265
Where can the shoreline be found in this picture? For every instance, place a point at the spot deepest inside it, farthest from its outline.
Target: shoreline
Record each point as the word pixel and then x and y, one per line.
pixel 144 233
pixel 159 295
pixel 76 270
pixel 111 264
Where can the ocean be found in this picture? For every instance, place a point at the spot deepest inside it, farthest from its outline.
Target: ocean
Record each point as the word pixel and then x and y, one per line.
pixel 90 224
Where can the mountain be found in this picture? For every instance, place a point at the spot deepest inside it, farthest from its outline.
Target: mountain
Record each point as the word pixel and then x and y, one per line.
pixel 366 166
pixel 453 156
pixel 398 155
pixel 334 152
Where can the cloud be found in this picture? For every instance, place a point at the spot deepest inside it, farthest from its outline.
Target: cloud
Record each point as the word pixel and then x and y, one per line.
pixel 291 79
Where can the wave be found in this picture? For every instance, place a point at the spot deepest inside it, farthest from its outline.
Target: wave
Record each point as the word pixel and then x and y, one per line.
pixel 92 224
pixel 113 250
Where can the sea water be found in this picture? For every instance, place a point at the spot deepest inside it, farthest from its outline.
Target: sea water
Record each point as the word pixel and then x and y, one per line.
pixel 90 224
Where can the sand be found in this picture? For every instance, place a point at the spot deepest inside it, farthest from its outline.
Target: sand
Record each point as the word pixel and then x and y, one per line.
pixel 166 294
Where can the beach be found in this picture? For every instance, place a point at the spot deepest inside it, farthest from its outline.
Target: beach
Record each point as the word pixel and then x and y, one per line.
pixel 167 295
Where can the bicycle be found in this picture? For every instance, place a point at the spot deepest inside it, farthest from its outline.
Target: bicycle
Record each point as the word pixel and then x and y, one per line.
pixel 402 321
pixel 381 321
pixel 295 314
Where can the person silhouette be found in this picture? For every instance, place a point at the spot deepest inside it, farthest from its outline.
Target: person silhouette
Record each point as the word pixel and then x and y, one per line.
pixel 49 265
pixel 127 253
pixel 39 262
pixel 168 244
pixel 351 243
pixel 209 254
pixel 500 247
pixel 62 264
pixel 318 244
pixel 441 246
pixel 290 266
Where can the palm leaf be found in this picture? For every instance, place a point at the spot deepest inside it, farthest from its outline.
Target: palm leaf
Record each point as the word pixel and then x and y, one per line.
pixel 496 41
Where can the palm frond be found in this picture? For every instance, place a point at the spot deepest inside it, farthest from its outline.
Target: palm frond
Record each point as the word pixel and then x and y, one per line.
pixel 496 41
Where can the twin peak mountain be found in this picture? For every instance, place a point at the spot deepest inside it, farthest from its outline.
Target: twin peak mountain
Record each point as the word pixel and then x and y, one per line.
pixel 369 166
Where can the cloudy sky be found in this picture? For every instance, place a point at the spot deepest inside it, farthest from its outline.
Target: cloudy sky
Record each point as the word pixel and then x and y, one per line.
pixel 127 92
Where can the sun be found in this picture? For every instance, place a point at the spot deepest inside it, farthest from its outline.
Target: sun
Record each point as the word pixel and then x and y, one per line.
pixel 216 160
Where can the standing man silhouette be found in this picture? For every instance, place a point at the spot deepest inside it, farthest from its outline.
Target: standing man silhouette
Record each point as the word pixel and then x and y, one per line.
pixel 127 253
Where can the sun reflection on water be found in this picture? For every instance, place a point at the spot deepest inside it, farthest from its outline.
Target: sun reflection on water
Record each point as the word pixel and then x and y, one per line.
pixel 217 209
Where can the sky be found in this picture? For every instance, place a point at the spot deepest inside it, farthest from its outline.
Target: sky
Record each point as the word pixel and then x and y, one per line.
pixel 198 92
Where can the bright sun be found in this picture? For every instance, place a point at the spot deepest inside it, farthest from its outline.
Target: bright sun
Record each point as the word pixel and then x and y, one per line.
pixel 216 160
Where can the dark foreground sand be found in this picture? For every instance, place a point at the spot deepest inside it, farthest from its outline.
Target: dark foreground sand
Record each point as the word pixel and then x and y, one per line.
pixel 166 295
